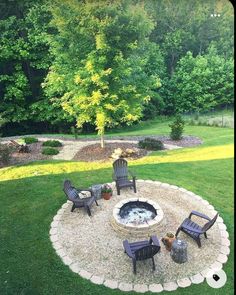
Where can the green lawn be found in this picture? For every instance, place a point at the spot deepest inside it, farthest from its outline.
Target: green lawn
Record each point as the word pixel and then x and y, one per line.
pixel 30 196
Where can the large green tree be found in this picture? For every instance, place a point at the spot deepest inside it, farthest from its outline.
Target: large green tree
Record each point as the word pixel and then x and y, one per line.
pixel 190 25
pixel 203 82
pixel 98 73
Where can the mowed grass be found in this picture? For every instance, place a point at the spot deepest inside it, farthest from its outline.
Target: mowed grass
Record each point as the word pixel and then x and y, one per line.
pixel 30 196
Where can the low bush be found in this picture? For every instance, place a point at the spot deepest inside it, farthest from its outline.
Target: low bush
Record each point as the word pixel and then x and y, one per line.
pixel 151 144
pixel 29 140
pixel 5 153
pixel 52 143
pixel 177 128
pixel 50 151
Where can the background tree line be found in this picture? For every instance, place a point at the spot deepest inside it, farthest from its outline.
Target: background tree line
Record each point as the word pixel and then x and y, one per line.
pixel 99 64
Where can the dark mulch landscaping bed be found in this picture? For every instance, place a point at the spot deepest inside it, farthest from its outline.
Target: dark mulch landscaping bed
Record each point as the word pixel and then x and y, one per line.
pixel 35 154
pixel 94 152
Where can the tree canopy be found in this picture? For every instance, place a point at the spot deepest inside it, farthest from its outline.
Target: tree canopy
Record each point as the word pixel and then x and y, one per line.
pixel 102 63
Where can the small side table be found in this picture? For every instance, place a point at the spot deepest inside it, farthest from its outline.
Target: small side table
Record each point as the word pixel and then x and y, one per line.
pixel 97 191
pixel 179 251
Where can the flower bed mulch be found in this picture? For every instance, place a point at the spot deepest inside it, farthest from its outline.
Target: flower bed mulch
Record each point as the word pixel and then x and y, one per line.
pixel 94 152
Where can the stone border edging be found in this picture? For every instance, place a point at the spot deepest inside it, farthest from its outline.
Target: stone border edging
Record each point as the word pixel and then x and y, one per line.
pixel 142 288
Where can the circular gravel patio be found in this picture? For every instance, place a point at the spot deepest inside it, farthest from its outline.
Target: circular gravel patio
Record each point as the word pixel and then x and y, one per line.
pixel 93 249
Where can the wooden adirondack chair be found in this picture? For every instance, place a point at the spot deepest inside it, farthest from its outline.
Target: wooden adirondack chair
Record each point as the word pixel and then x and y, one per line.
pixel 121 175
pixel 74 194
pixel 193 229
pixel 142 250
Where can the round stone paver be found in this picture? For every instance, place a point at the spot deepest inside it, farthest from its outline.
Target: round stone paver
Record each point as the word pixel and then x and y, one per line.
pixel 93 249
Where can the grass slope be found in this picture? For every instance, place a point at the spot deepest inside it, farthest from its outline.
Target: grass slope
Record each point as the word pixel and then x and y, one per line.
pixel 31 194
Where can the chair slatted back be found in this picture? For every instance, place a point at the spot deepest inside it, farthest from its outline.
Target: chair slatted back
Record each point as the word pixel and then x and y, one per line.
pixel 70 191
pixel 146 252
pixel 120 168
pixel 210 223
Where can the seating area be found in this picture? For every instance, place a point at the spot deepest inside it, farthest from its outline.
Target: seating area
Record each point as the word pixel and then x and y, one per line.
pixel 78 197
pixel 122 176
pixel 151 261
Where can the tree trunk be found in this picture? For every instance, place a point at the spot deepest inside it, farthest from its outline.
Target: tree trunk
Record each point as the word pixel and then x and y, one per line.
pixel 102 140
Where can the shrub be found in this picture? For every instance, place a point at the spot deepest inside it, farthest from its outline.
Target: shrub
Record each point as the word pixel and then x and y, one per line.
pixel 29 140
pixel 5 153
pixel 151 144
pixel 177 128
pixel 50 151
pixel 52 143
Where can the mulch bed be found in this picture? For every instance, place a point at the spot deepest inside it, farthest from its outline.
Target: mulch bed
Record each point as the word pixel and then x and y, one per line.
pixel 94 152
pixel 35 154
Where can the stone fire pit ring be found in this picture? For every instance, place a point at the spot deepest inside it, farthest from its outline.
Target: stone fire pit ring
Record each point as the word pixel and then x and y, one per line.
pixel 137 230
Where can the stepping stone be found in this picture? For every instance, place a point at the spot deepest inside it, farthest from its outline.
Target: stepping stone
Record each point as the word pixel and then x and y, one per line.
pixel 141 288
pixel 205 272
pixel 224 234
pixel 182 190
pixel 54 224
pixel 155 288
pixel 61 252
pixel 225 250
pixel 53 231
pixel 85 274
pixel 67 260
pixel 222 226
pixel 183 283
pixel 75 267
pixel 97 280
pixel 216 266
pixel 57 245
pixel 171 286
pixel 54 238
pixel 125 287
pixel 197 279
pixel 111 284
pixel 222 258
pixel 225 242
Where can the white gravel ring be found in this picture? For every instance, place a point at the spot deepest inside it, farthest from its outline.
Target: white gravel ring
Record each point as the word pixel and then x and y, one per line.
pixel 63 245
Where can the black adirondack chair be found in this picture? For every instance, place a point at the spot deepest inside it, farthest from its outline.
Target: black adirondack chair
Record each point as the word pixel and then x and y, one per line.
pixel 142 250
pixel 74 194
pixel 121 175
pixel 193 229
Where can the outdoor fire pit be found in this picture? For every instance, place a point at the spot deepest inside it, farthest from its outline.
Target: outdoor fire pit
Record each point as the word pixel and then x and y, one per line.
pixel 136 217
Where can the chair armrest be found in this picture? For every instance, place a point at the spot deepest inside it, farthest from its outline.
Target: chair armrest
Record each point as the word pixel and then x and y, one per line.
pixel 199 215
pixel 89 201
pixel 193 229
pixel 154 240
pixel 127 249
pixel 131 174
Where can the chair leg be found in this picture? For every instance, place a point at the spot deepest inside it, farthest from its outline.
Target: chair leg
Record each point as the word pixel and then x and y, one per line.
pixel 118 190
pixel 177 232
pixel 73 208
pixel 153 264
pixel 96 203
pixel 205 235
pixel 88 211
pixel 198 242
pixel 134 266
pixel 135 190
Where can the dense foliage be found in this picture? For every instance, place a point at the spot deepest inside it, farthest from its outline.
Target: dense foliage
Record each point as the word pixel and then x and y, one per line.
pixel 152 144
pixel 52 143
pixel 49 151
pixel 29 140
pixel 73 55
pixel 177 128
